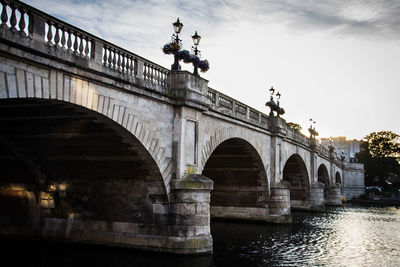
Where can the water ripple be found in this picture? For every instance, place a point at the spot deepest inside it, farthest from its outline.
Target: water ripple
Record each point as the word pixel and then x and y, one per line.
pixel 343 236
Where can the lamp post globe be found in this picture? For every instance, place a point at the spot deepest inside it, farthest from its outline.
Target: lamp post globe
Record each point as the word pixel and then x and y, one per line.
pixel 177 26
pixel 196 40
pixel 177 29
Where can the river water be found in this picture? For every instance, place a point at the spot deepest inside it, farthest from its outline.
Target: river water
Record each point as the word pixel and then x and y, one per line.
pixel 341 236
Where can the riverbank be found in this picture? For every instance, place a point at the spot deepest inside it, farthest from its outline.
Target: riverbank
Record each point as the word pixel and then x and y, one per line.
pixel 376 201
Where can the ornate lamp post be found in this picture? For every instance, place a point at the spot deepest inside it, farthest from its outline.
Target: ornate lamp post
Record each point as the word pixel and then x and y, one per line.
pixel 278 96
pixel 196 40
pixel 271 103
pixel 311 130
pixel 174 47
pixel 274 106
pixel 175 39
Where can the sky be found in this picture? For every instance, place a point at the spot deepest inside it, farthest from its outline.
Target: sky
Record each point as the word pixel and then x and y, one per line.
pixel 336 62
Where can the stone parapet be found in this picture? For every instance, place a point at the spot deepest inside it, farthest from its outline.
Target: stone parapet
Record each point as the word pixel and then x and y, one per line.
pixel 277 126
pixel 189 89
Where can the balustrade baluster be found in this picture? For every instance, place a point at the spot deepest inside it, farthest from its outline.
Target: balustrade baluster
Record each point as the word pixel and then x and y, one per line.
pixel 4 16
pixel 163 77
pixel 123 63
pixel 133 67
pixel 49 33
pixel 105 55
pixel 63 39
pixel 80 44
pixel 118 61
pixel 159 73
pixel 145 71
pixel 30 23
pixel 128 66
pixel 76 43
pixel 22 24
pixel 56 36
pixel 114 61
pixel 148 72
pixel 87 47
pixel 13 19
pixel 154 74
pixel 109 57
pixel 69 42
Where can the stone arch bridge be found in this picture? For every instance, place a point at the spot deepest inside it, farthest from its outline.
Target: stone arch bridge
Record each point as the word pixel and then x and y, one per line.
pixel 103 146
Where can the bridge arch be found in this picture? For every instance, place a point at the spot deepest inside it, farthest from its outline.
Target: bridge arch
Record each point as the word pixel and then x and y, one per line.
pixel 295 172
pixel 323 177
pixel 39 83
pixel 74 161
pixel 226 133
pixel 239 176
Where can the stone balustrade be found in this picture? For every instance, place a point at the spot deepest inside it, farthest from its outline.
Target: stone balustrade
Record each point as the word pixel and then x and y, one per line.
pixel 231 107
pixel 224 104
pixel 28 26
pixel 60 35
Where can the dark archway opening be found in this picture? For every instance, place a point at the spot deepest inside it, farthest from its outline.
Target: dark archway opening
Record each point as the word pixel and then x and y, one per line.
pixel 60 160
pixel 239 176
pixel 338 179
pixel 295 172
pixel 323 177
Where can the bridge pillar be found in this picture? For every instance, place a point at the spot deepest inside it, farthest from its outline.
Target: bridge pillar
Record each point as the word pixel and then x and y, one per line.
pixel 190 93
pixel 334 197
pixel 317 196
pixel 190 215
pixel 280 202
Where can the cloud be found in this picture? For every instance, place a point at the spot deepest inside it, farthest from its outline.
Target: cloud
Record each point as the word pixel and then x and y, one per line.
pixel 142 22
pixel 342 17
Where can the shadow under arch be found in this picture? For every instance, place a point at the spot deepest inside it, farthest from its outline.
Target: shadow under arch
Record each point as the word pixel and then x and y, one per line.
pixel 295 172
pixel 240 180
pixel 338 178
pixel 61 160
pixel 323 177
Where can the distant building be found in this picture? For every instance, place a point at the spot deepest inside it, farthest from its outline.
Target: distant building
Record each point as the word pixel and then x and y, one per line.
pixel 348 148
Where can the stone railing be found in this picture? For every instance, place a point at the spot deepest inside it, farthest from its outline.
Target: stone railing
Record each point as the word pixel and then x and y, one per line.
pixel 233 108
pixel 324 150
pixel 298 137
pixel 27 26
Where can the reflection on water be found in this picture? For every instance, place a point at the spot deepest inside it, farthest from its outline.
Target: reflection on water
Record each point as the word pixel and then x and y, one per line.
pixel 343 236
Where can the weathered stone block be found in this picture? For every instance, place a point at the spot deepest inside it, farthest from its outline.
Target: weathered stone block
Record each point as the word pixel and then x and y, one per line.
pixel 183 208
pixel 125 227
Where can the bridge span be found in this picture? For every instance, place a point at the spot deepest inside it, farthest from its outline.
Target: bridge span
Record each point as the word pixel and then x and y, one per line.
pixel 100 145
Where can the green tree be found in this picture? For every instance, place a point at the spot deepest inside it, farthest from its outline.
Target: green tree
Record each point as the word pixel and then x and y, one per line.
pixel 294 126
pixel 379 151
